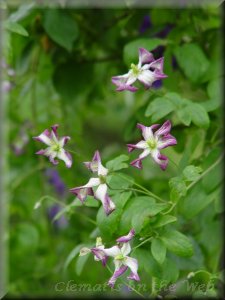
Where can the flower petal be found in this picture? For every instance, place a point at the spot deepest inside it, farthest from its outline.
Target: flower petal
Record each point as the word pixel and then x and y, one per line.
pixel 121 82
pixel 99 254
pixel 101 194
pixel 147 77
pixel 146 131
pixel 119 270
pixel 64 140
pixel 164 129
pixel 54 129
pixel 132 263
pixel 139 145
pixel 166 141
pixel 113 251
pixel 93 165
pixel 126 238
pixel 160 159
pixel 44 137
pixel 126 248
pixel 83 191
pixel 144 56
pixel 66 157
pixel 137 163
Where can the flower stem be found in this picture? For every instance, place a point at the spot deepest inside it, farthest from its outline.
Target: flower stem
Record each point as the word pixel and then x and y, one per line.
pixel 143 188
pixel 142 243
pixel 205 172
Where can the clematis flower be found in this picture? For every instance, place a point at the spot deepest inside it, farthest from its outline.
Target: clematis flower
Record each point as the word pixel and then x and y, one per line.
pixel 153 142
pixel 147 71
pixel 120 256
pixel 95 166
pixel 55 146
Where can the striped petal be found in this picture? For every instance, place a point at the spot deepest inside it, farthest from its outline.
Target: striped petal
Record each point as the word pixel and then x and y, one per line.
pixel 101 194
pixel 132 263
pixel 144 57
pixel 66 157
pixel 119 270
pixel 137 163
pixel 126 238
pixel 164 129
pixel 166 141
pixel 160 159
pixel 139 145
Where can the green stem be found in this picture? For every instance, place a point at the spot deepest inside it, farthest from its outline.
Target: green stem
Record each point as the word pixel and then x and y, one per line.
pixel 129 189
pixel 205 172
pixel 142 243
pixel 143 188
pixel 68 206
pixel 137 292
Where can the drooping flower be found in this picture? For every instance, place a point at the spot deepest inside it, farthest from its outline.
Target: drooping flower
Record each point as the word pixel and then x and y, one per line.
pixel 153 142
pixel 120 256
pixel 55 146
pixel 95 166
pixel 147 71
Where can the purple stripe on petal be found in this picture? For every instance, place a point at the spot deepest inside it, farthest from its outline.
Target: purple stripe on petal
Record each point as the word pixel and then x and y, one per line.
pixel 166 141
pixel 54 129
pixel 133 276
pixel 41 152
pixel 145 56
pixel 137 163
pixel 164 129
pixel 108 205
pixel 82 193
pixel 126 238
pixel 125 87
pixel 116 274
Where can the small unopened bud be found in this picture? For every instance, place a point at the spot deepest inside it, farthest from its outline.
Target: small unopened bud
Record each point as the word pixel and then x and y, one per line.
pixel 98 241
pixel 190 275
pixel 84 251
pixel 37 205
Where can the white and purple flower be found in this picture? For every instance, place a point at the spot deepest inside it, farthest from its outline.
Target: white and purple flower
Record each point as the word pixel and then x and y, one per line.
pixel 120 256
pixel 154 141
pixel 55 147
pixel 147 71
pixel 99 183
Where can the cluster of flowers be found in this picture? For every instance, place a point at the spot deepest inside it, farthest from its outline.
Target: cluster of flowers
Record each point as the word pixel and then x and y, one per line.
pixel 155 138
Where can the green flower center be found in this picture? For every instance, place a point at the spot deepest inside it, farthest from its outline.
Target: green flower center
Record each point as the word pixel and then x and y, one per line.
pixel 152 144
pixel 56 147
pixel 119 257
pixel 135 69
pixel 102 179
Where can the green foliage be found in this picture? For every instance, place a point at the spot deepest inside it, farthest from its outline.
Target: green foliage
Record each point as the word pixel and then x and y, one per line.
pixel 186 55
pixel 60 27
pixel 158 250
pixel 63 61
pixel 178 243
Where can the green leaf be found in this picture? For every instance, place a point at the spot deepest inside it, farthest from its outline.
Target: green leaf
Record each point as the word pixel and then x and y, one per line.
pixel 80 263
pixel 137 210
pixel 159 108
pixel 164 220
pixel 61 27
pixel 158 250
pixel 118 163
pixel 178 243
pixel 130 51
pixel 192 61
pixel 72 255
pixel 192 173
pixel 15 28
pixel 214 177
pixel 199 115
pixel 70 80
pixel 119 181
pixel 184 115
pixel 197 200
pixel 178 188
